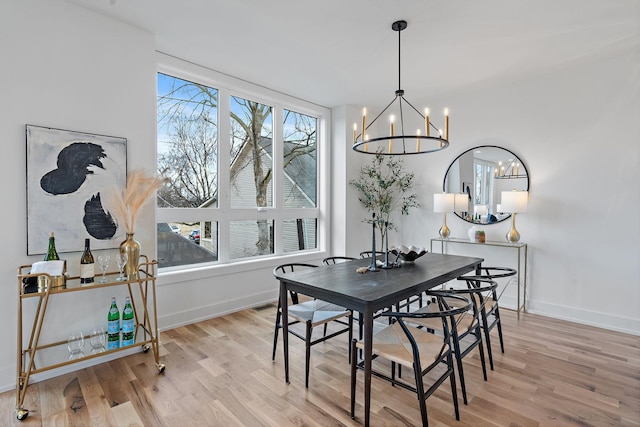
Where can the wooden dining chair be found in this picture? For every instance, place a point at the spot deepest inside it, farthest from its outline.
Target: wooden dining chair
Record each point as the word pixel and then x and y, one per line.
pixel 467 335
pixel 312 313
pixel 490 317
pixel 405 344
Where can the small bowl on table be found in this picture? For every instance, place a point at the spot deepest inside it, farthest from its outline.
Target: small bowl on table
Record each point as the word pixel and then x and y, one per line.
pixel 408 255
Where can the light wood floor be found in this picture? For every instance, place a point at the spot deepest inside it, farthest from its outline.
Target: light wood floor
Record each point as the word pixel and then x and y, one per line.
pixel 219 373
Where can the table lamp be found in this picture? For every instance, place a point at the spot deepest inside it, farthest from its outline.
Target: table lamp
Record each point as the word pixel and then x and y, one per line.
pixel 514 202
pixel 444 202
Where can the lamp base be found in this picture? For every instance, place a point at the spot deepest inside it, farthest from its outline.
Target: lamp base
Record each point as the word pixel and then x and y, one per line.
pixel 445 232
pixel 513 236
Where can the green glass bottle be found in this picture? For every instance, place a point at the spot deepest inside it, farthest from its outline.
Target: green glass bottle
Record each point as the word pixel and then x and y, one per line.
pixel 113 326
pixel 128 324
pixel 52 254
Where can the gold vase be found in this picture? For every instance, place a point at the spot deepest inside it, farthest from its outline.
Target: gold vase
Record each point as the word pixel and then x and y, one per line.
pixel 131 247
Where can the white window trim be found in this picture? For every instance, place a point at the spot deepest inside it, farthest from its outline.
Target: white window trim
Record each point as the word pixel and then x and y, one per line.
pixel 228 86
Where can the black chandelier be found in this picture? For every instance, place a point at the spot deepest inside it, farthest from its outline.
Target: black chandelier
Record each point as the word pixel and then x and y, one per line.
pixel 433 139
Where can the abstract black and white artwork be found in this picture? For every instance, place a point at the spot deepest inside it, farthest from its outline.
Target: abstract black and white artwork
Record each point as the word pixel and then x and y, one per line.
pixel 67 174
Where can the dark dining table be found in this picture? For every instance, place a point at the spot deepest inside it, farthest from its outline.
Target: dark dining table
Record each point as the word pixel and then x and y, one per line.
pixel 369 292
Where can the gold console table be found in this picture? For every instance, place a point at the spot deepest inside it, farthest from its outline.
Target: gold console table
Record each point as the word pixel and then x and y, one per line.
pixel 146 321
pixel 520 247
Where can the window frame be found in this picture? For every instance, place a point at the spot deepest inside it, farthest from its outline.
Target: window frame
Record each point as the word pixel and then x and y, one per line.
pixel 228 86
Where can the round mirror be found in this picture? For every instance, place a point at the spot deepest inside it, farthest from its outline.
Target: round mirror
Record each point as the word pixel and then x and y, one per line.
pixel 479 176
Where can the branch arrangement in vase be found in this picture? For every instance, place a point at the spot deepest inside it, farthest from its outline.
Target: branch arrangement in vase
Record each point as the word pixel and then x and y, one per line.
pixel 385 187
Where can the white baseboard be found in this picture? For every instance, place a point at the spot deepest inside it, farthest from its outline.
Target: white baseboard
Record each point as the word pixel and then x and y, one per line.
pixel 199 314
pixel 585 317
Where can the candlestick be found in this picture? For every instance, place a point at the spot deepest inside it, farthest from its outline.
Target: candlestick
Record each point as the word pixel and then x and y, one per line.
pixel 364 121
pixel 446 124
pixel 426 121
pixel 355 132
pixel 373 266
pixel 393 131
pixel 418 142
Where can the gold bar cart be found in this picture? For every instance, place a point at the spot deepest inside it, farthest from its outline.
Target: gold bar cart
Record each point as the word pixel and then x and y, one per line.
pixel 143 287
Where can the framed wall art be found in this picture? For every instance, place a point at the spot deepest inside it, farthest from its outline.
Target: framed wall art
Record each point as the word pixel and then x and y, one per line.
pixel 67 173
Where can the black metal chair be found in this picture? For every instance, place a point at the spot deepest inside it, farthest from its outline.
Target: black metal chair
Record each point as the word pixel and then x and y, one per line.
pixel 368 254
pixel 336 259
pixel 407 345
pixel 468 333
pixel 312 313
pixel 491 313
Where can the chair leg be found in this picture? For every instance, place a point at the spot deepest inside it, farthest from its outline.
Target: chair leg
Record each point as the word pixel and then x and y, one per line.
pixel 275 332
pixel 481 350
pixel 421 397
pixel 456 346
pixel 499 325
pixel 487 338
pixel 307 345
pixel 354 362
pixel 454 392
pixel 325 330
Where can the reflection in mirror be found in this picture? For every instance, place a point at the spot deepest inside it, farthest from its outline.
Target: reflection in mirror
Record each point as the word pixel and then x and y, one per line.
pixel 481 174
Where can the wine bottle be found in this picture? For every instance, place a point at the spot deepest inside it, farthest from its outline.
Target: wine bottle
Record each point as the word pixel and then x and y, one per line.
pixel 52 254
pixel 113 326
pixel 128 324
pixel 87 270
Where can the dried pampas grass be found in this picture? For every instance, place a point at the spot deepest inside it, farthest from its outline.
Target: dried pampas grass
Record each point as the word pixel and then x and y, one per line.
pixel 124 204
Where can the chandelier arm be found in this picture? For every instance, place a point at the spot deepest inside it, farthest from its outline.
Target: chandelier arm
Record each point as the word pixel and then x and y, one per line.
pixel 364 131
pixel 420 114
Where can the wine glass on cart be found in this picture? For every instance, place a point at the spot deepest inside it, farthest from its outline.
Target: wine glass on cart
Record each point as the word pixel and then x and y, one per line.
pixel 103 262
pixel 121 261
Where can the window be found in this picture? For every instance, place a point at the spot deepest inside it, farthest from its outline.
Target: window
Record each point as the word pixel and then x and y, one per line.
pixel 483 183
pixel 243 172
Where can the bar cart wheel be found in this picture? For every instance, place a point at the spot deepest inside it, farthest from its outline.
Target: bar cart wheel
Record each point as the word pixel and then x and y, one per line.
pixel 21 414
pixel 146 347
pixel 160 367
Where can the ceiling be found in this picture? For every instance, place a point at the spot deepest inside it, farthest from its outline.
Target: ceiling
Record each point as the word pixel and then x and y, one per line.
pixel 341 52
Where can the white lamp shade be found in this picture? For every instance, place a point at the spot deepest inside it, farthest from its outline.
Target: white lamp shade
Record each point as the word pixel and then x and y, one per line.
pixel 514 201
pixel 443 202
pixel 461 202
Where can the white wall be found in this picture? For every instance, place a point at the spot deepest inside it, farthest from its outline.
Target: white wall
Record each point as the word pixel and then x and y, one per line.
pixel 66 68
pixel 576 128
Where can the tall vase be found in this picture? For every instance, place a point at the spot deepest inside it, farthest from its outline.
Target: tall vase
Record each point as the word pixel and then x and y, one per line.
pixel 131 247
